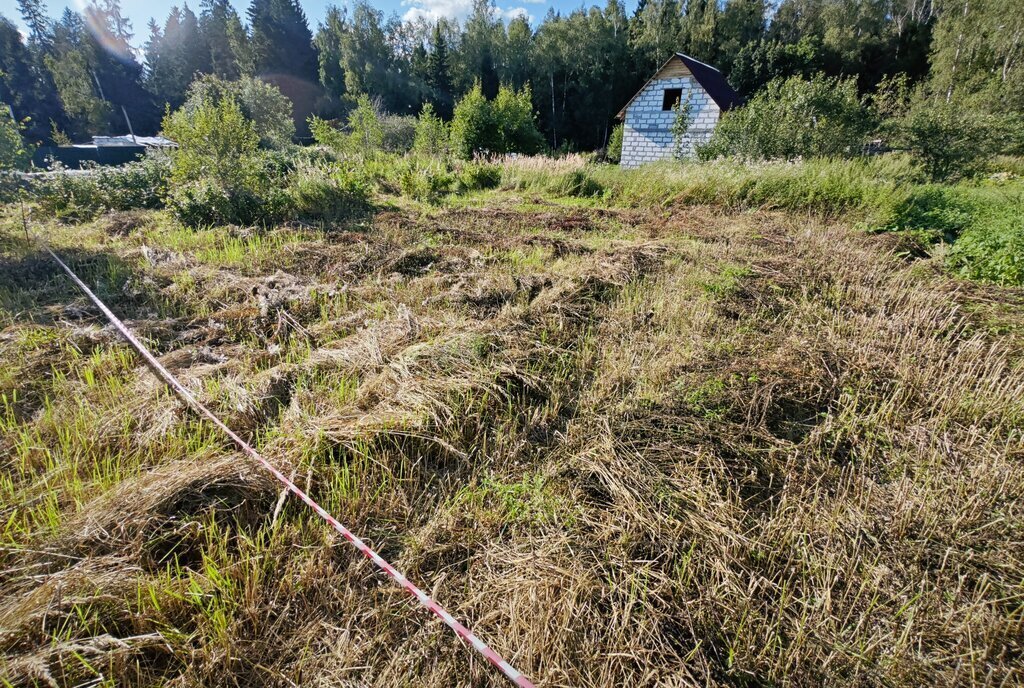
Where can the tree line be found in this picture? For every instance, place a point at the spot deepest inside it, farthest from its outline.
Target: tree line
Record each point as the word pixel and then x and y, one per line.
pixel 80 75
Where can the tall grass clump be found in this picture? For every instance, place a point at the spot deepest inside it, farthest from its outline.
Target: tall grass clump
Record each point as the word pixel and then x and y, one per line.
pixel 327 192
pixel 830 187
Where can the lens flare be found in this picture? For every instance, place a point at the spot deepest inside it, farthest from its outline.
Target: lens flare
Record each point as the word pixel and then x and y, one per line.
pixel 107 25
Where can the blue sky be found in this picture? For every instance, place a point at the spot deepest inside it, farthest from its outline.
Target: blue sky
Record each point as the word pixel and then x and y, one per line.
pixel 140 11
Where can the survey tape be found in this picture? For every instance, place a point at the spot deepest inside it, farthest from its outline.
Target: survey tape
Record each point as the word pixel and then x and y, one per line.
pixel 467 635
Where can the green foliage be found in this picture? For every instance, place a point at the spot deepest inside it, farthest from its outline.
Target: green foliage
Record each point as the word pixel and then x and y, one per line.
pixel 931 213
pixel 614 153
pixel 14 154
pixel 984 226
pixel 432 138
pixel 476 175
pixel 948 139
pixel 263 104
pixel 504 125
pixel 366 133
pixel 793 118
pixel 82 195
pixel 992 247
pixel 514 123
pixel 327 193
pixel 328 136
pixel 425 180
pixel 472 128
pixel 681 122
pixel 218 173
pixel 579 183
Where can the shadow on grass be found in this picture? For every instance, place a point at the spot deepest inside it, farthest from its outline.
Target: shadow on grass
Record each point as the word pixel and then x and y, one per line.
pixel 34 288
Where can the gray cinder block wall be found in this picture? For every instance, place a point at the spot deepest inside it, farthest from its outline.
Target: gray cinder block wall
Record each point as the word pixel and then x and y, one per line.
pixel 647 130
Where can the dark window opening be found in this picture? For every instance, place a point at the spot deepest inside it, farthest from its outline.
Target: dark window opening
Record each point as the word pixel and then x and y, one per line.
pixel 672 98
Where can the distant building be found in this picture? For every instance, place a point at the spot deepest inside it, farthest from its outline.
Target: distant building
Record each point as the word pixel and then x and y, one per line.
pixel 648 116
pixel 104 150
pixel 132 140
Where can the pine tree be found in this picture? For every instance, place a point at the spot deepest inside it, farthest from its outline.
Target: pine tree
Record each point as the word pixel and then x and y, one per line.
pixel 438 73
pixel 328 42
pixel 224 38
pixel 281 40
pixel 283 54
pixel 34 14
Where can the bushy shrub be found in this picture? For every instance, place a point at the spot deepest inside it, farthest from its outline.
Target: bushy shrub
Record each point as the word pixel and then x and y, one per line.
pixel 366 134
pixel 218 173
pixel 82 195
pixel 579 183
pixel 614 153
pixel 14 154
pixel 269 110
pixel 327 193
pixel 793 118
pixel 472 128
pixel 327 135
pixel 948 139
pixel 363 134
pixel 432 136
pixel 504 125
pixel 931 212
pixel 514 122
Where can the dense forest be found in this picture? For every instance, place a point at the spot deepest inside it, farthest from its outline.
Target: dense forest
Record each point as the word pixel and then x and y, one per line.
pixel 82 74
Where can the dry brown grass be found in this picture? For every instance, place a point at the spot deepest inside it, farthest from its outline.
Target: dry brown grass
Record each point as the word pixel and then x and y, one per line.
pixel 628 448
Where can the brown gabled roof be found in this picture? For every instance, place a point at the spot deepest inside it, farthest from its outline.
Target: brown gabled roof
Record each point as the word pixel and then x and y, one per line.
pixel 710 79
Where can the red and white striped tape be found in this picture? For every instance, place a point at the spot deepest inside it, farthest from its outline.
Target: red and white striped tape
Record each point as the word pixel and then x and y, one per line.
pixel 467 635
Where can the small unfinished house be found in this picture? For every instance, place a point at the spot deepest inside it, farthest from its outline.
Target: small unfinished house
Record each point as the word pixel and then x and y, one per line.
pixel 648 116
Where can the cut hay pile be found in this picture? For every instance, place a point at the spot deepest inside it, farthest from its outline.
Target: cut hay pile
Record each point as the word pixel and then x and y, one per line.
pixel 627 449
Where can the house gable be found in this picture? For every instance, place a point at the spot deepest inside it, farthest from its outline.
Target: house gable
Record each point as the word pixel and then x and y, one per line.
pixel 679 66
pixel 649 116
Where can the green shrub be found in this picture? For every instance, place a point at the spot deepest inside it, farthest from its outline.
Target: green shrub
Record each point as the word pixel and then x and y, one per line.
pixel 366 134
pixel 218 174
pixel 14 154
pixel 504 125
pixel 579 183
pixel 793 118
pixel 432 137
pixel 327 135
pixel 514 122
pixel 327 193
pixel 948 139
pixel 931 212
pixel 82 195
pixel 472 128
pixel 269 110
pixel 614 153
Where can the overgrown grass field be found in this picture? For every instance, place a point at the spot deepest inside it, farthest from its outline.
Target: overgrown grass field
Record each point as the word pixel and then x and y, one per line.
pixel 684 426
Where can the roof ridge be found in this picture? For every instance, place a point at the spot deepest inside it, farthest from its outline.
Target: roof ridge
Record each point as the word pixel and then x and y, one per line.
pixel 694 59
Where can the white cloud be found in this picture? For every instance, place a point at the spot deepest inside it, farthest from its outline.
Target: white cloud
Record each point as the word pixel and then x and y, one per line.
pixel 512 12
pixel 432 10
